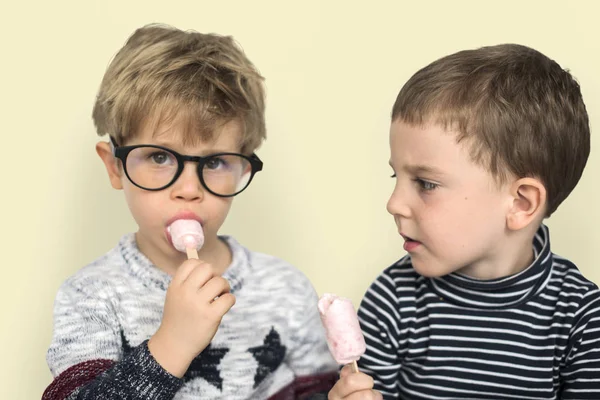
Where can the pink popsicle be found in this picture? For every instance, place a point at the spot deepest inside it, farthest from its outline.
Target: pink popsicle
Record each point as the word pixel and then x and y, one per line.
pixel 187 236
pixel 344 336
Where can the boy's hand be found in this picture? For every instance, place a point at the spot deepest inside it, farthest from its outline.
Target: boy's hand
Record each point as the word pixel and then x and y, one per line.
pixel 354 386
pixel 191 315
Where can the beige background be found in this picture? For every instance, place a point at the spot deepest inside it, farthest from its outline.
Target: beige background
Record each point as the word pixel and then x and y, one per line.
pixel 333 69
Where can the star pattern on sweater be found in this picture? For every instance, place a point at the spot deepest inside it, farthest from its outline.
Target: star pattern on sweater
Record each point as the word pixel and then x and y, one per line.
pixel 269 356
pixel 125 344
pixel 206 366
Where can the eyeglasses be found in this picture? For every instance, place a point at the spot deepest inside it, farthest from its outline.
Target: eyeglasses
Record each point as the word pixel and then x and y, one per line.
pixel 154 168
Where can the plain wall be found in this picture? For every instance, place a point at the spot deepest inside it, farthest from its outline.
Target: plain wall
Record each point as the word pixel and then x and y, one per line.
pixel 332 68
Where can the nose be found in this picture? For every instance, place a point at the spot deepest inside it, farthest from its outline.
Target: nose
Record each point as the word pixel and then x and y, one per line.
pixel 397 204
pixel 188 186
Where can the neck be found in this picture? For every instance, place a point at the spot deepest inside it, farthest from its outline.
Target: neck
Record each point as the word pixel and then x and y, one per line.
pixel 218 254
pixel 510 257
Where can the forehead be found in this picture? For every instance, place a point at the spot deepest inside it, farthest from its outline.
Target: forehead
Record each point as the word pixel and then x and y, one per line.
pixel 179 133
pixel 427 143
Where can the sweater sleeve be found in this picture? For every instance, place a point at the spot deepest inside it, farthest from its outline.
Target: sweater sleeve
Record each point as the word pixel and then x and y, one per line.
pixel 379 319
pixel 309 358
pixel 87 359
pixel 581 372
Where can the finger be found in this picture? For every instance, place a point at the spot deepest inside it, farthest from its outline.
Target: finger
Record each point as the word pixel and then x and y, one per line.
pixel 365 395
pixel 215 287
pixel 352 383
pixel 346 370
pixel 223 304
pixel 360 395
pixel 202 273
pixel 184 270
pixel 337 391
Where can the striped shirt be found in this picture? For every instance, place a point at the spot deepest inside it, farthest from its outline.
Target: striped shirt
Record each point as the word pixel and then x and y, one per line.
pixel 532 335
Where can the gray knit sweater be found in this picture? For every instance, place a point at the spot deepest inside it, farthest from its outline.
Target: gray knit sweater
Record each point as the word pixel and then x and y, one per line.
pixel 271 344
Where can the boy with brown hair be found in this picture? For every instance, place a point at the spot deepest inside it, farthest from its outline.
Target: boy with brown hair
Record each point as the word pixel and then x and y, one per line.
pixel 184 112
pixel 485 144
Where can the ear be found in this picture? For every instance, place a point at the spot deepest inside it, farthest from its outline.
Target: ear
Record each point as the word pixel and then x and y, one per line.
pixel 111 164
pixel 528 197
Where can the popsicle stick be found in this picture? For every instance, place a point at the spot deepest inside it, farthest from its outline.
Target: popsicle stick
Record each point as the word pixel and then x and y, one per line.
pixel 191 253
pixel 355 366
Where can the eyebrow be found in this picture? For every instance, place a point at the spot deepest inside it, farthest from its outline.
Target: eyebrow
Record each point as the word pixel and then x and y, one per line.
pixel 419 169
pixel 205 152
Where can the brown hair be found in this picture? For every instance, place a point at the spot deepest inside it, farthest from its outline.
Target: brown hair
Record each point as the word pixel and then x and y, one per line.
pixel 519 111
pixel 163 73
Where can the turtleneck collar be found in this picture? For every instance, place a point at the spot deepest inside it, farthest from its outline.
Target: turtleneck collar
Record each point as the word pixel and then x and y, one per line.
pixel 503 292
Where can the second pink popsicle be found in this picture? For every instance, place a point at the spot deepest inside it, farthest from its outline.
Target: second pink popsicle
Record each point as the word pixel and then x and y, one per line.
pixel 344 336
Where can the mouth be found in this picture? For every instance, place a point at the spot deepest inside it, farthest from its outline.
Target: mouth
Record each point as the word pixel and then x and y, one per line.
pixel 180 215
pixel 410 244
pixel 407 238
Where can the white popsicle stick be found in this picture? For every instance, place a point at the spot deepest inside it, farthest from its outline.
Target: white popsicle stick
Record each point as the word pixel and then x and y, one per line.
pixel 191 253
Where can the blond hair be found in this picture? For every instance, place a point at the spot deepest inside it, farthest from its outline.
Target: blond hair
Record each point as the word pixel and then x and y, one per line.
pixel 518 110
pixel 162 74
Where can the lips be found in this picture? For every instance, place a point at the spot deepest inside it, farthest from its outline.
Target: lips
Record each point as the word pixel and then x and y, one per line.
pixel 409 243
pixel 407 238
pixel 184 214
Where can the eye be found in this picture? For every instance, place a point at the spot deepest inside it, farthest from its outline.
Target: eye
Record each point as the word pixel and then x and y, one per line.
pixel 393 175
pixel 426 186
pixel 215 163
pixel 160 157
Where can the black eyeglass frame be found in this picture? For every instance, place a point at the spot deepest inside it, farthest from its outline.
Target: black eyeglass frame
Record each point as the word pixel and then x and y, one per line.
pixel 121 152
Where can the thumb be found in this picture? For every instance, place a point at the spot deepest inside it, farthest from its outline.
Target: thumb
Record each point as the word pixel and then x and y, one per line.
pixel 347 370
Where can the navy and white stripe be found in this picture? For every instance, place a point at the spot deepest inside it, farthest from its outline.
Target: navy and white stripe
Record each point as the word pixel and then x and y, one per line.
pixel 533 335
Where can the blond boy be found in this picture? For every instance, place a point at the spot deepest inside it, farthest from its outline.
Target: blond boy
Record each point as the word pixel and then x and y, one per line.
pixel 184 112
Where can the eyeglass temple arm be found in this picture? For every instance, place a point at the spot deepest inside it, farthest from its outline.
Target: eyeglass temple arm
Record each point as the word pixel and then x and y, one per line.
pixel 259 163
pixel 113 144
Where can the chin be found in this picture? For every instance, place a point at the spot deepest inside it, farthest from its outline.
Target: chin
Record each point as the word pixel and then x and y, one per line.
pixel 430 270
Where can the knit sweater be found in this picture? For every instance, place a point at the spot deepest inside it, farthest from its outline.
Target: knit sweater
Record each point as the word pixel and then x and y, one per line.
pixel 533 335
pixel 271 344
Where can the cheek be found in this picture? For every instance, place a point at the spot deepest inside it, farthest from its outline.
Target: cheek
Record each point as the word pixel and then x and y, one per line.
pixel 225 207
pixel 453 217
pixel 216 210
pixel 146 207
pixel 438 211
pixel 477 219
